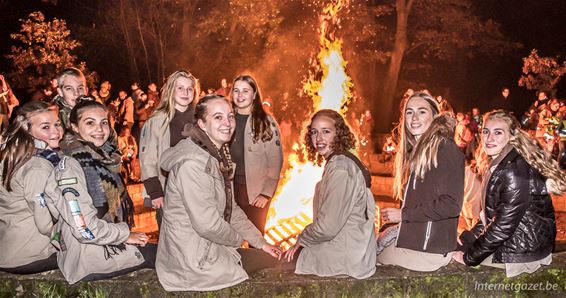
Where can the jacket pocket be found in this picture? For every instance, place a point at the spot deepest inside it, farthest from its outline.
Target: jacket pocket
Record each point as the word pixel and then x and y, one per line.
pixel 203 249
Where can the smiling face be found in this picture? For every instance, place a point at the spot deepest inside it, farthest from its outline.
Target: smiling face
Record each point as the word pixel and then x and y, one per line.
pixel 219 122
pixel 418 116
pixel 71 88
pixel 183 93
pixel 495 136
pixel 243 96
pixel 93 126
pixel 322 133
pixel 46 126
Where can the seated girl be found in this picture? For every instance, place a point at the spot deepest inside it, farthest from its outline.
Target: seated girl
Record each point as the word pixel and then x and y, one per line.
pixel 341 238
pixel 26 159
pixel 429 179
pixel 202 226
pixel 89 198
pixel 517 227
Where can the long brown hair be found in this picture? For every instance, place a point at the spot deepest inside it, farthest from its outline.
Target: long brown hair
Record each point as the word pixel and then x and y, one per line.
pixel 344 139
pixel 408 144
pixel 167 103
pixel 261 125
pixel 527 147
pixel 17 144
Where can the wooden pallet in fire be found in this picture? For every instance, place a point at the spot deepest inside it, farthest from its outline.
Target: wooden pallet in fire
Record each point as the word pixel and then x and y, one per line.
pixel 285 233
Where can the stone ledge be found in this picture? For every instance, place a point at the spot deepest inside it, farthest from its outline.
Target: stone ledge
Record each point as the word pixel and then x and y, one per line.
pixel 455 280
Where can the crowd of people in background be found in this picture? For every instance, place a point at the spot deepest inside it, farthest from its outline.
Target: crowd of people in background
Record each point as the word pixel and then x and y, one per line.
pixel 211 161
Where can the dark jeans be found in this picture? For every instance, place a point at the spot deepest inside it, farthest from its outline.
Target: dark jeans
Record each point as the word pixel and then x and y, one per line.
pixel 35 267
pixel 256 215
pixel 254 260
pixel 149 252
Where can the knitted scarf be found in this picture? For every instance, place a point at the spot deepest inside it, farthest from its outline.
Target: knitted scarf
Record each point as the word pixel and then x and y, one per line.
pixel 101 167
pixel 224 159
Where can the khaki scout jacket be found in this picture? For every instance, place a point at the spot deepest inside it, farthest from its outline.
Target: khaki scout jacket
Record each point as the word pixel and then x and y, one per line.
pixel 197 247
pixel 263 161
pixel 155 138
pixel 341 239
pixel 25 221
pixel 85 238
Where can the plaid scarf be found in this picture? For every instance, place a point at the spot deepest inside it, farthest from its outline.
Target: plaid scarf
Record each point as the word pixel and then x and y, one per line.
pixel 105 185
pixel 224 159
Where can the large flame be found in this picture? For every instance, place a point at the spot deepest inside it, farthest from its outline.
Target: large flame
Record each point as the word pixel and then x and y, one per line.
pixel 291 209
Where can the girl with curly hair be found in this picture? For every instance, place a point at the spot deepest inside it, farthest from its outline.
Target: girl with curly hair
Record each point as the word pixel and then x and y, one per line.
pixel 256 150
pixel 344 208
pixel 517 226
pixel 429 179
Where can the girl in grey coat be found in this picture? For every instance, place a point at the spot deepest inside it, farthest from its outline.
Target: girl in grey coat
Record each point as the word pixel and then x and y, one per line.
pixel 341 239
pixel 26 158
pixel 87 195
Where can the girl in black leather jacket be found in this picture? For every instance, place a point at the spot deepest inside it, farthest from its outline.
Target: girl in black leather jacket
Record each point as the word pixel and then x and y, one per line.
pixel 517 227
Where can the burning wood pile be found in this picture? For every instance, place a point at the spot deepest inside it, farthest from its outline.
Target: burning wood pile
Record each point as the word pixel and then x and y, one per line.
pixel 329 86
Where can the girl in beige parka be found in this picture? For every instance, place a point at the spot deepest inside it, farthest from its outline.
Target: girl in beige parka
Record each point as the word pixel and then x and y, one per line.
pixel 26 158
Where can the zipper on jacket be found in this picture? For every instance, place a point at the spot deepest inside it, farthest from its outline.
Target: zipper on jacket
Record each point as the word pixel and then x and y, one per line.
pixel 427 235
pixel 403 205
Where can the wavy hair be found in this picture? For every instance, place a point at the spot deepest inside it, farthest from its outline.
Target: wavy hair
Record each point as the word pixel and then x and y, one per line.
pixel 261 125
pixel 408 144
pixel 344 139
pixel 17 144
pixel 167 103
pixel 527 147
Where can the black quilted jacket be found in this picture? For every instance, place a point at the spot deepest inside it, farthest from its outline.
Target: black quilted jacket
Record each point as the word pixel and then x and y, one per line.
pixel 519 214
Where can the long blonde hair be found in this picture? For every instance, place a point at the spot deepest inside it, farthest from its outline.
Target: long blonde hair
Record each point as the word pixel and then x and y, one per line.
pixel 527 147
pixel 408 145
pixel 167 103
pixel 17 144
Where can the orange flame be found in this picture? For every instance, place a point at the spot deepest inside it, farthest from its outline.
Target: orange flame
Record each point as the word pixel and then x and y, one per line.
pixel 291 209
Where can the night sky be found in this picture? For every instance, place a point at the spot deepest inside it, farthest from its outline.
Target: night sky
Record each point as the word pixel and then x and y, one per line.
pixel 536 24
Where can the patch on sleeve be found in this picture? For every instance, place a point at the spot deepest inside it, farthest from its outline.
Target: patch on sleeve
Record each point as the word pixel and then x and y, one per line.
pixel 41 200
pixel 79 220
pixel 67 181
pixel 70 190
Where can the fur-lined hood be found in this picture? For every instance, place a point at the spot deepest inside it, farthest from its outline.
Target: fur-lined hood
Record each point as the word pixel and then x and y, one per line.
pixel 424 155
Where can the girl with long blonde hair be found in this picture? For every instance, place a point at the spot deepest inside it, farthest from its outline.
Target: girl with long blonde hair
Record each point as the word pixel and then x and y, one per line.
pixel 429 179
pixel 164 130
pixel 517 224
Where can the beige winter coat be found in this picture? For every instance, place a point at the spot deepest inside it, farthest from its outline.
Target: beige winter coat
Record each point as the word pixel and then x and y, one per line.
pixel 341 239
pixel 155 138
pixel 197 247
pixel 85 239
pixel 263 161
pixel 25 222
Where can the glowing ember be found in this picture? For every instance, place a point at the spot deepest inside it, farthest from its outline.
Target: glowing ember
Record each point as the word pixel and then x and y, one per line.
pixel 291 209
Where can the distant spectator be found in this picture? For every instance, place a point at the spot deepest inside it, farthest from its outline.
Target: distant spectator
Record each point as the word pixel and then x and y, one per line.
pixel 104 92
pixel 224 89
pixel 126 110
pixel 147 106
pixel 389 149
pixel 152 93
pixel 71 85
pixel 129 148
pixel 8 102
